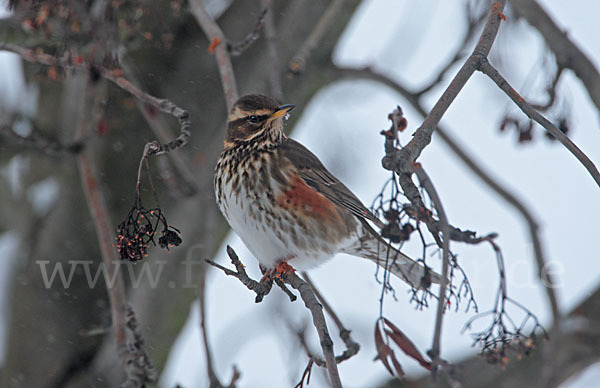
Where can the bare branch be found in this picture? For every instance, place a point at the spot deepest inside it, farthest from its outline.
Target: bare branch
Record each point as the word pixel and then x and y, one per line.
pixel 273 55
pixel 47 146
pixel 236 49
pixel 567 53
pixel 162 132
pixel 474 166
pixel 426 183
pixel 551 91
pixel 402 160
pixel 217 38
pixel 316 309
pixel 300 59
pixel 262 288
pixel 77 62
pixel 352 347
pixel 422 137
pixel 104 231
pixel 495 76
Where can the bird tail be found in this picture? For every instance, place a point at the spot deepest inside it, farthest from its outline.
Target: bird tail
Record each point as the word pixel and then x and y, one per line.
pixel 391 259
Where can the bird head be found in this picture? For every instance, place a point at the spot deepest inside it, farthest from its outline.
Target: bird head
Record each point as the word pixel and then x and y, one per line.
pixel 254 116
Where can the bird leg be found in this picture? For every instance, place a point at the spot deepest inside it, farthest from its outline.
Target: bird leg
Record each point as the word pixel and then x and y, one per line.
pixel 275 275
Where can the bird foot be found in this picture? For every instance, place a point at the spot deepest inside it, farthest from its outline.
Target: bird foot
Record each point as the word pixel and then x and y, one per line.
pixel 283 268
pixel 280 269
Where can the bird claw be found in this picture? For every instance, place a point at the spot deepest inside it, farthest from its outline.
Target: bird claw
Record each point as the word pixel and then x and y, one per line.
pixel 280 269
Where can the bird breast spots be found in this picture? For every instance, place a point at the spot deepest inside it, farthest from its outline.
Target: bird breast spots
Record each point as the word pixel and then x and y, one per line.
pixel 300 198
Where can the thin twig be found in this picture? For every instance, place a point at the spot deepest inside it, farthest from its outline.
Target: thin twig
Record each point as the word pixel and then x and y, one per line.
pixel 212 376
pixel 401 161
pixel 161 131
pixel 489 70
pixel 352 347
pixel 308 296
pixel 272 52
pixel 316 310
pixel 47 146
pixel 552 92
pixel 567 54
pixel 217 38
pixel 426 183
pixel 300 59
pixel 104 231
pixel 77 62
pixel 236 49
pixel 474 166
pixel 260 288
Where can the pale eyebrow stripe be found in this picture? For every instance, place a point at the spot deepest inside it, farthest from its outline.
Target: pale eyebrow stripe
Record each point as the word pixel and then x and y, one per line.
pixel 239 113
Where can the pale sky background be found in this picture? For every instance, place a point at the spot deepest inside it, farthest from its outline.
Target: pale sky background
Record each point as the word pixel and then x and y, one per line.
pixel 409 40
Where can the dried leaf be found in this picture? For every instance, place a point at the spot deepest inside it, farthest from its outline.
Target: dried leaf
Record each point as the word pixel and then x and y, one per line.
pixel 407 346
pixel 383 351
pixel 397 366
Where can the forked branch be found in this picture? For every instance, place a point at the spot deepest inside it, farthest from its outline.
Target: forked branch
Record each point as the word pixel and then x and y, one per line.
pixel 310 301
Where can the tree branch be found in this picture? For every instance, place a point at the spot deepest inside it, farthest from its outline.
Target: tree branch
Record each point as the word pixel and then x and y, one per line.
pixel 162 133
pixel 274 60
pixel 236 49
pixel 262 288
pixel 398 160
pixel 474 166
pixel 567 54
pixel 300 59
pixel 217 39
pixel 351 347
pixel 316 309
pixel 403 158
pixel 426 183
pixel 580 348
pixel 487 69
pixel 104 230
pixel 77 62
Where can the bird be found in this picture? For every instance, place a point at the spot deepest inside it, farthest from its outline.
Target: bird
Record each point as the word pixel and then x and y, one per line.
pixel 287 208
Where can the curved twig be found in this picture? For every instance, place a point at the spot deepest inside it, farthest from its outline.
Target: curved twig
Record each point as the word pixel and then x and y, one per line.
pixel 567 54
pixel 115 76
pixel 486 68
pixel 426 183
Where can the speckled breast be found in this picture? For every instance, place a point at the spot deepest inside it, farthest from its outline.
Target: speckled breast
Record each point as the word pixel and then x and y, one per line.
pixel 275 213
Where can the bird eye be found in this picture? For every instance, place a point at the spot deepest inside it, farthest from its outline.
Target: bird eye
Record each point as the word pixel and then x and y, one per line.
pixel 253 119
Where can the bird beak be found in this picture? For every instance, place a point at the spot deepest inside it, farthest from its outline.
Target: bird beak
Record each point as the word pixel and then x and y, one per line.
pixel 282 111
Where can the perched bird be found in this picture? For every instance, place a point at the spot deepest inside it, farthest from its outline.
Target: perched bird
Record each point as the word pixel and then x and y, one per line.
pixel 285 205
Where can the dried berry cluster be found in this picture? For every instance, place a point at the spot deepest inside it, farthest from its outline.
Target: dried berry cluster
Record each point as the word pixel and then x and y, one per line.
pixel 138 230
pixel 497 347
pixel 393 229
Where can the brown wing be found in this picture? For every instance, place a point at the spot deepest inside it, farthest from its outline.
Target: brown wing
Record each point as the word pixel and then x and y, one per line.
pixel 312 171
